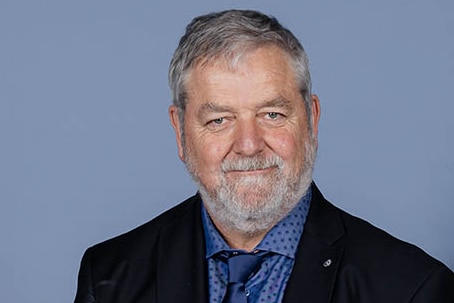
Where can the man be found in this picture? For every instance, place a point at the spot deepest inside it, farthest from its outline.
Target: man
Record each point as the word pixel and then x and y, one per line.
pixel 246 127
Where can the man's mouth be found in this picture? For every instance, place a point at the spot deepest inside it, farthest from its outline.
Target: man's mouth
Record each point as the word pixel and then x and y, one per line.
pixel 252 171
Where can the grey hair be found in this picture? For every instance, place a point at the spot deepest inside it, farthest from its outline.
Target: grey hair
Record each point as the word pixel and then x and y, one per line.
pixel 228 35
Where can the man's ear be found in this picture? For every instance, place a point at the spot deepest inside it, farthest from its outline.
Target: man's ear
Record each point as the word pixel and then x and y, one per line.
pixel 315 115
pixel 175 121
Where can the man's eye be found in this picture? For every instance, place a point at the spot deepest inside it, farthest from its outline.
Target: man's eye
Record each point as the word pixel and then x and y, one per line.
pixel 273 115
pixel 218 121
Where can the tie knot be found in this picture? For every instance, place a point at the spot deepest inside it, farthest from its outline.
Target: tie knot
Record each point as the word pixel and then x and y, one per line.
pixel 242 265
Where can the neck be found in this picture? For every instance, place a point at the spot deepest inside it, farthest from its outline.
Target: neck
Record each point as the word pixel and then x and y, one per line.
pixel 239 240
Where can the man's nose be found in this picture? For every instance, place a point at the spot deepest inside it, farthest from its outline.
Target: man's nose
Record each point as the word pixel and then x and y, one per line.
pixel 249 139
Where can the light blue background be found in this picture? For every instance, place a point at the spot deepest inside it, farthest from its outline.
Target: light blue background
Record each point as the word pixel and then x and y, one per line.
pixel 87 151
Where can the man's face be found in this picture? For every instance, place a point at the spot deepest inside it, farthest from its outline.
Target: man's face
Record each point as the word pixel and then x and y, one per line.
pixel 247 142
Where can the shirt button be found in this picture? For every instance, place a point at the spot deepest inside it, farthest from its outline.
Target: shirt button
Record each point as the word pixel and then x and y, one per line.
pixel 247 292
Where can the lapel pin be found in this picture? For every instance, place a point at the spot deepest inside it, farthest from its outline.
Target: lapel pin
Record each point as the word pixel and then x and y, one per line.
pixel 327 263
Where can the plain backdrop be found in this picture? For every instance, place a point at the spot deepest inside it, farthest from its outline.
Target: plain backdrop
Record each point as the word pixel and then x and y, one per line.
pixel 87 152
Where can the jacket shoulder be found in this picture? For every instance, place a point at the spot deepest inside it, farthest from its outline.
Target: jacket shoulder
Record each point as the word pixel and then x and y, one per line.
pixel 142 239
pixel 373 243
pixel 374 261
pixel 129 265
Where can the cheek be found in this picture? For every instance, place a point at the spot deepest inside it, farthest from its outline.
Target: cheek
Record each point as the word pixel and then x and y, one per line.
pixel 213 154
pixel 208 152
pixel 284 144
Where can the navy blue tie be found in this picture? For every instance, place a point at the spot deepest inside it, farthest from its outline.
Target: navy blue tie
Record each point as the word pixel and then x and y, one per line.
pixel 241 266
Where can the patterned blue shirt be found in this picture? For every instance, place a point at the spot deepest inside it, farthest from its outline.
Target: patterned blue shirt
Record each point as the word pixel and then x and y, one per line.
pixel 269 283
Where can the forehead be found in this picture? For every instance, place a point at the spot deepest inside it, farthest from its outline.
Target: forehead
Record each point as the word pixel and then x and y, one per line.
pixel 262 70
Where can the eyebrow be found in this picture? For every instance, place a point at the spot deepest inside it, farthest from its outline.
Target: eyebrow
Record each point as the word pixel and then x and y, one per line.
pixel 277 102
pixel 211 107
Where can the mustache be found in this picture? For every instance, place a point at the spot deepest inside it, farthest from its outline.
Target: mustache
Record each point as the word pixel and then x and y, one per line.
pixel 251 163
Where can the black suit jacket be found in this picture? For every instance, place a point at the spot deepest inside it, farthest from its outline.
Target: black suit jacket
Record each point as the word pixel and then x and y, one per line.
pixel 340 258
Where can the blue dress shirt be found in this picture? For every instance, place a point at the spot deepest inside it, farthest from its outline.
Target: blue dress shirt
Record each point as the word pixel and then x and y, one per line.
pixel 268 284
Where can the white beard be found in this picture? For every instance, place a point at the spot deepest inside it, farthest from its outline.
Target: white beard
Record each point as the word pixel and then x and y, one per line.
pixel 254 204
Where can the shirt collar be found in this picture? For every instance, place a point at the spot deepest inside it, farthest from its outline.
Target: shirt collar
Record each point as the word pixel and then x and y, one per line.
pixel 281 239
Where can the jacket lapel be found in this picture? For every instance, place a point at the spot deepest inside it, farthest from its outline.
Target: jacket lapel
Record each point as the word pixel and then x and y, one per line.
pixel 318 254
pixel 181 266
